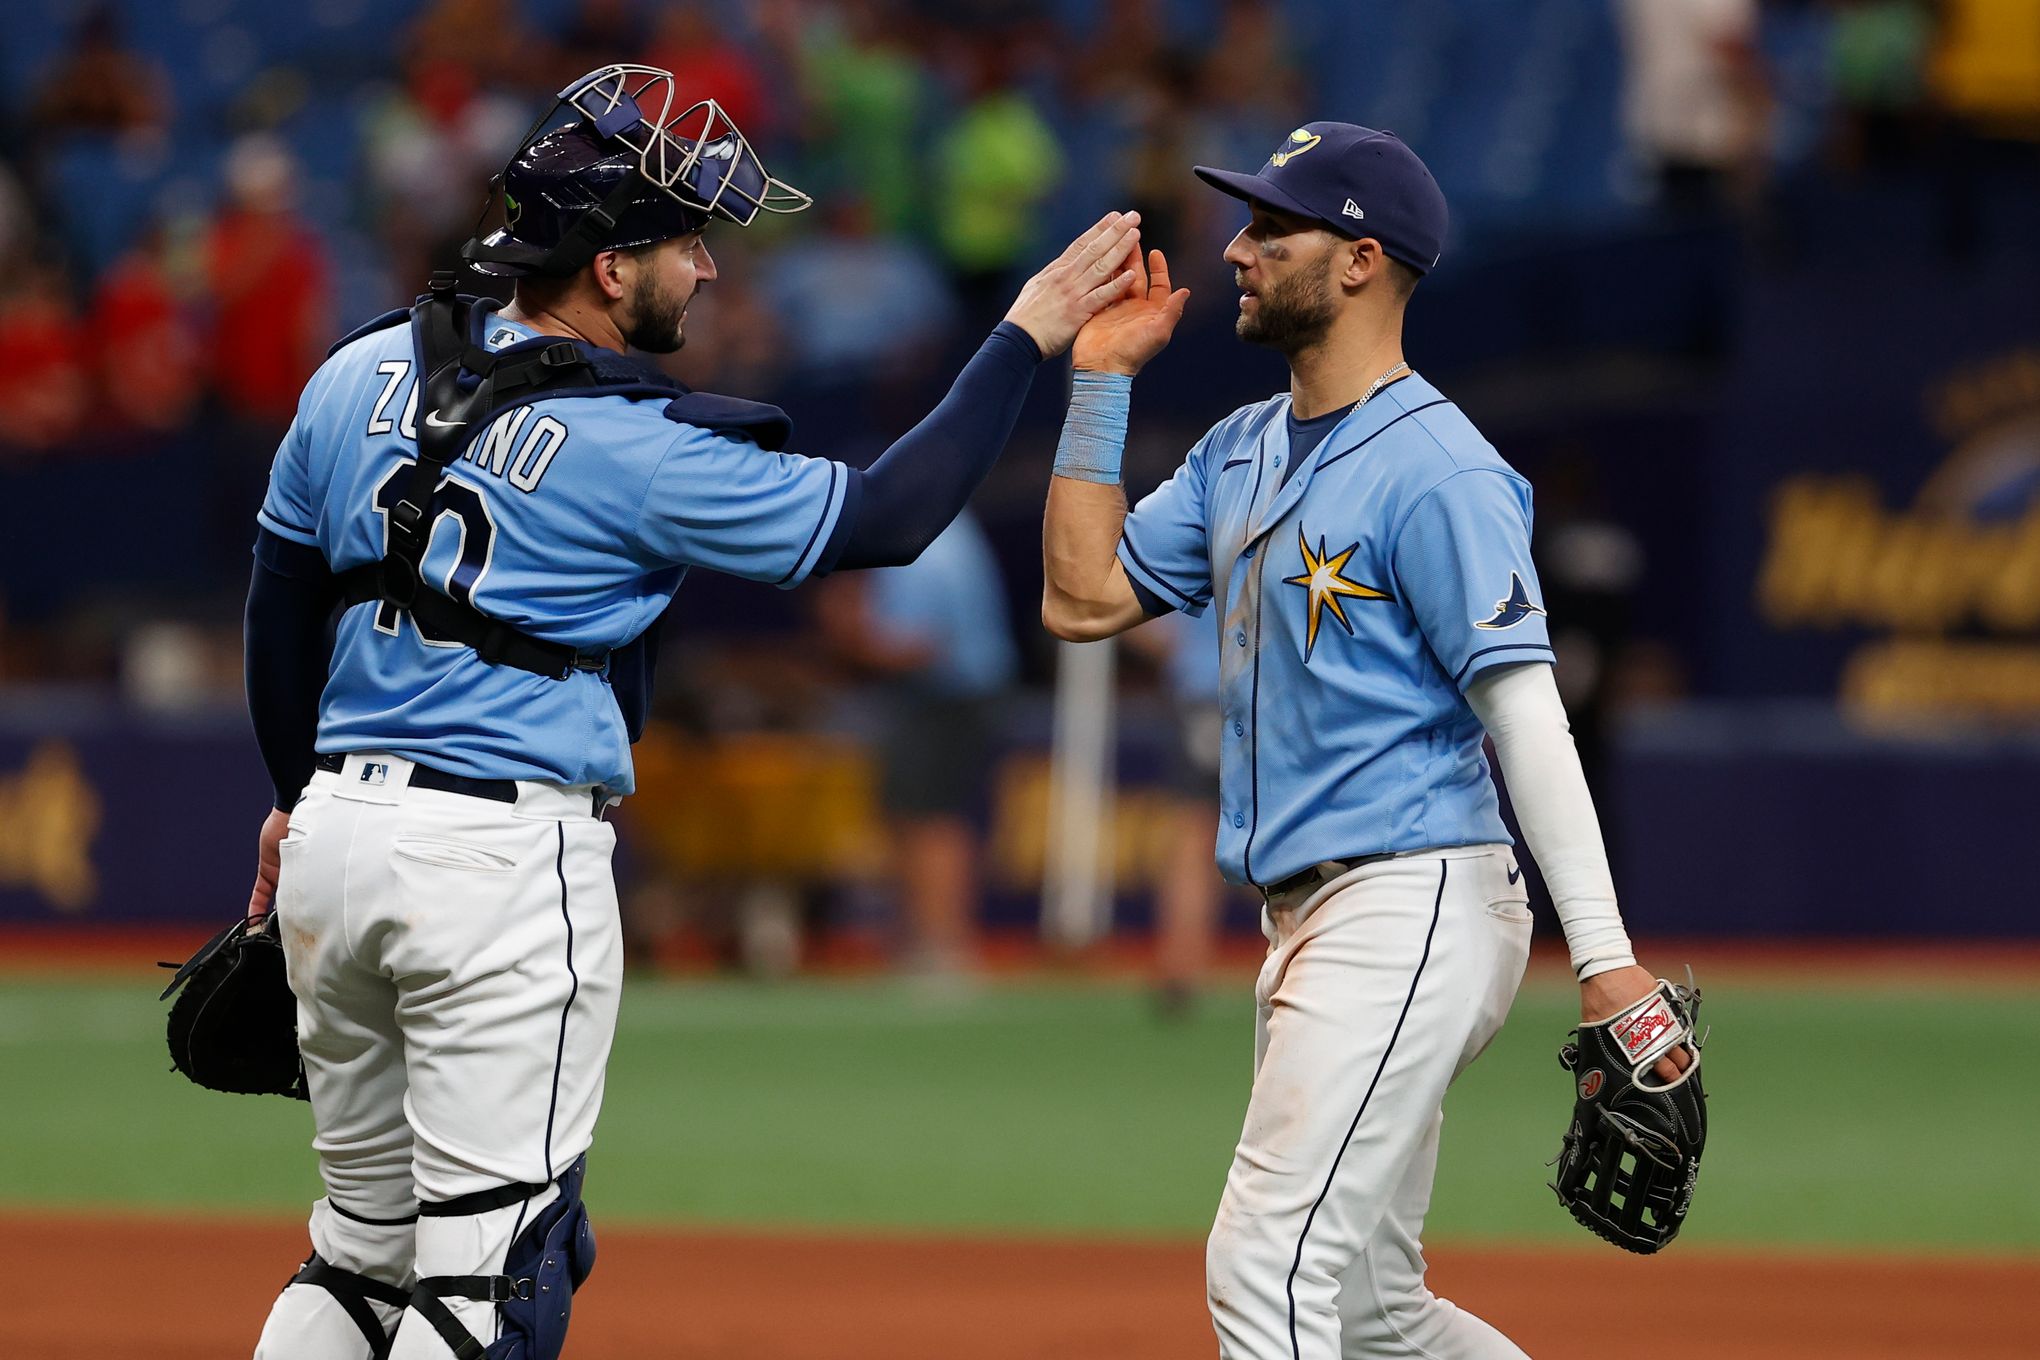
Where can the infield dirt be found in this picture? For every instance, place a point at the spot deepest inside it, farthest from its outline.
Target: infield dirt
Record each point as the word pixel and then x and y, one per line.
pixel 151 1289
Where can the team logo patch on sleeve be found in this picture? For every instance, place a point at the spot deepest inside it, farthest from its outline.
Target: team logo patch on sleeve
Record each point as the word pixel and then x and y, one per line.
pixel 1514 608
pixel 1324 583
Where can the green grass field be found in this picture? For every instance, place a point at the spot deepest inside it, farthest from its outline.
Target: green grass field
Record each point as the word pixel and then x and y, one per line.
pixel 1886 1118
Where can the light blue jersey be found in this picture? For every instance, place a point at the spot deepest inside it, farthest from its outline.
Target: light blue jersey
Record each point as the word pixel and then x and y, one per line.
pixel 572 519
pixel 1356 597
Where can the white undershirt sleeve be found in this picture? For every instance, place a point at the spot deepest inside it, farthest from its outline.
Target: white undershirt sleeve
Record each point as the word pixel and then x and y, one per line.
pixel 1520 707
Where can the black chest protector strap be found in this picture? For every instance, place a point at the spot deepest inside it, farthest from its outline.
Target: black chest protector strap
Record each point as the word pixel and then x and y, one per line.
pixel 462 388
pixel 451 412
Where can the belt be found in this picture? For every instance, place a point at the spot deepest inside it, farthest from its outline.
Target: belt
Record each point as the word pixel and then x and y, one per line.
pixel 495 790
pixel 425 777
pixel 1310 879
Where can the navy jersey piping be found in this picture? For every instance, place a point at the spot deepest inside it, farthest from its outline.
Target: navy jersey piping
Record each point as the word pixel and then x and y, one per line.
pixel 1501 647
pixel 828 504
pixel 1254 699
pixel 573 991
pixel 1442 401
pixel 1183 597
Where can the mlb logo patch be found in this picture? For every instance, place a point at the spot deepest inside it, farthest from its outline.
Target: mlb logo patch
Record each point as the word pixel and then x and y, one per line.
pixel 373 772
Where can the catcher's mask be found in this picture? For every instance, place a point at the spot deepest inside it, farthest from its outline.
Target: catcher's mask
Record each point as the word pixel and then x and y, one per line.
pixel 611 165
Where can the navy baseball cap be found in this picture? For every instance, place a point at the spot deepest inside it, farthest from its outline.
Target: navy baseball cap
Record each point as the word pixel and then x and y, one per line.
pixel 1351 180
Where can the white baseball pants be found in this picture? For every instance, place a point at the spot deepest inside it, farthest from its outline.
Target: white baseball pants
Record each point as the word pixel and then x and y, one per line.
pixel 1378 990
pixel 457 963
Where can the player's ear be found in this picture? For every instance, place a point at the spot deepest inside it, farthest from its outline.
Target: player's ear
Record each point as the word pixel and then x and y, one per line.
pixel 1362 262
pixel 608 268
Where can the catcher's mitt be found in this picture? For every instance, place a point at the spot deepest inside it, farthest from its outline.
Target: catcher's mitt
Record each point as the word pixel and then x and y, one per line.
pixel 233 1026
pixel 1631 1155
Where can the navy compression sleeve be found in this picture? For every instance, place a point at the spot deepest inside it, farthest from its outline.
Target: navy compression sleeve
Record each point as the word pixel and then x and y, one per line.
pixel 897 506
pixel 288 646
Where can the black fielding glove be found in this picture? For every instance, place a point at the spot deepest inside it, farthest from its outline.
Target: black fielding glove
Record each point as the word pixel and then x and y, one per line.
pixel 1632 1152
pixel 233 1026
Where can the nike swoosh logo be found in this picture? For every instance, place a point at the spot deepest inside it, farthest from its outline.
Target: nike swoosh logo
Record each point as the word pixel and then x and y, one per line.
pixel 432 419
pixel 1515 872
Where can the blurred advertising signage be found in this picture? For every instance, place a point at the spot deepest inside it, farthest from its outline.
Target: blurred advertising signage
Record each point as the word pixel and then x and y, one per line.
pixel 49 815
pixel 1949 586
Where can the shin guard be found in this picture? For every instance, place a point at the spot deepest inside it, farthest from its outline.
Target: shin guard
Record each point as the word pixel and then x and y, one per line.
pixel 545 1263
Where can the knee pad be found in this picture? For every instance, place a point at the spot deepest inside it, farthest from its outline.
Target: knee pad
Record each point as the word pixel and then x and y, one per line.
pixel 344 1246
pixel 534 1295
pixel 357 1294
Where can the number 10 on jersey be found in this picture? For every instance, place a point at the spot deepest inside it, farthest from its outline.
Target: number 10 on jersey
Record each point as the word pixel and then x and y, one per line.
pixel 463 504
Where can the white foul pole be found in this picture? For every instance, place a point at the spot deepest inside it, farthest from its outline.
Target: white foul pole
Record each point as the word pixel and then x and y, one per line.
pixel 1076 891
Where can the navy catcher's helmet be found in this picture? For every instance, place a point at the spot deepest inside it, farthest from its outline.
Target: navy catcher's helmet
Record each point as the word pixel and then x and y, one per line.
pixel 611 165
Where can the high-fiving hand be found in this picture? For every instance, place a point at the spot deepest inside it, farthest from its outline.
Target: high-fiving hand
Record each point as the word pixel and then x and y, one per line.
pixel 1092 273
pixel 1136 327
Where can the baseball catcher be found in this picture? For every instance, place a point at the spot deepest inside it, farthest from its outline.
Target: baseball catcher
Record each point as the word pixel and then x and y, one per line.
pixel 1632 1152
pixel 470 532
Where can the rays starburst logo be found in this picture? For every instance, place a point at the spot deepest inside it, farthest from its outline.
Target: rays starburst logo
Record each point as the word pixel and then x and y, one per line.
pixel 1325 584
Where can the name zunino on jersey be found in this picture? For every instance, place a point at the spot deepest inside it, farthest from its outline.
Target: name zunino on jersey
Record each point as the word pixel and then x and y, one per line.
pixel 514 447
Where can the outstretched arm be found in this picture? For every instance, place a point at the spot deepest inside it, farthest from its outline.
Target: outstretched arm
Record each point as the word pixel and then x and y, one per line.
pixel 895 508
pixel 1086 593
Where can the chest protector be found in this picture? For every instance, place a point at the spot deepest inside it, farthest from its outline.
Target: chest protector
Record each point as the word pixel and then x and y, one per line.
pixel 462 387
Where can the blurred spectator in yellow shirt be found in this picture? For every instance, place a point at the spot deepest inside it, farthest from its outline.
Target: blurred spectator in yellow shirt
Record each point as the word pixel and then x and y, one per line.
pixel 994 164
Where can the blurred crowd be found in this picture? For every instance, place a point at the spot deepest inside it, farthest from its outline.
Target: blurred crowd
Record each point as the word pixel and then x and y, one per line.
pixel 935 142
pixel 946 146
pixel 186 225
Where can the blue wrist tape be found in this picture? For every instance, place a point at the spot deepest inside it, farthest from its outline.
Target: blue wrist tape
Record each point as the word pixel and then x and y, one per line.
pixel 1094 431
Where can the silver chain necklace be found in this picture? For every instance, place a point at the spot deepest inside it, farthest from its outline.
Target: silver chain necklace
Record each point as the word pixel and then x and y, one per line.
pixel 1380 383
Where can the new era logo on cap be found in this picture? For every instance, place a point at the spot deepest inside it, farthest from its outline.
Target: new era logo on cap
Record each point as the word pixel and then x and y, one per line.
pixel 1352 210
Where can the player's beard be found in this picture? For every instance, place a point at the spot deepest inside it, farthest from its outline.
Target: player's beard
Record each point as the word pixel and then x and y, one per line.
pixel 1292 316
pixel 658 318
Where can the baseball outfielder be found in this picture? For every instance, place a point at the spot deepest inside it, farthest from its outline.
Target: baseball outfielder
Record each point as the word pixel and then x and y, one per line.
pixel 1368 554
pixel 438 858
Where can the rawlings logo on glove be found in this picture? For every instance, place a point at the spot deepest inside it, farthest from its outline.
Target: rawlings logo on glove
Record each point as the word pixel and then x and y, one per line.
pixel 1631 1154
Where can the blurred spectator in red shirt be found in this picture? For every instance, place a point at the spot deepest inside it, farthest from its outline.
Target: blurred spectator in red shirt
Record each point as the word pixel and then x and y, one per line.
pixel 101 86
pixel 43 382
pixel 266 271
pixel 148 353
pixel 708 64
